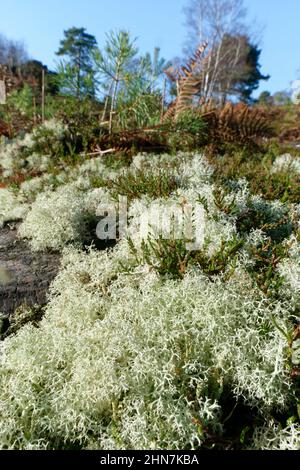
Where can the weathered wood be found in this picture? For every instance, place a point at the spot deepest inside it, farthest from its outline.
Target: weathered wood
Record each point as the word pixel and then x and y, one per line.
pixel 30 274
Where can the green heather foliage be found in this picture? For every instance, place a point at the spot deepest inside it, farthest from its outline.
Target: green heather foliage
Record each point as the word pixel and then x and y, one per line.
pixel 138 182
pixel 189 131
pixel 276 177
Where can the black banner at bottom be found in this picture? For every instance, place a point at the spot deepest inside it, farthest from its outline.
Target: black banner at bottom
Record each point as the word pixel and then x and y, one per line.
pixel 135 459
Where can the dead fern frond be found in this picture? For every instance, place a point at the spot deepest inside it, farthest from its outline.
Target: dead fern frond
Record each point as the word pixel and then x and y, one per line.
pixel 188 87
pixel 189 80
pixel 240 123
pixel 170 113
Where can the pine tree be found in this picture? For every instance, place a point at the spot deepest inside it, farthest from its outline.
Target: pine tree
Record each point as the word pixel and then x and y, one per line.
pixel 115 66
pixel 77 73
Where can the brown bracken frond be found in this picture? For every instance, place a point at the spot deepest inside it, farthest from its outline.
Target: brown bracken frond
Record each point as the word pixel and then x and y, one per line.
pixel 239 123
pixel 189 80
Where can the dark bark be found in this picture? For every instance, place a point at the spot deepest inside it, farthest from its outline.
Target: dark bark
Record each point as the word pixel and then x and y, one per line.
pixel 30 273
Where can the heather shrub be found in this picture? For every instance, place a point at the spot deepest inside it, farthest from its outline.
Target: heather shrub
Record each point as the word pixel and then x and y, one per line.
pixel 274 181
pixel 188 131
pixel 212 241
pixel 82 119
pixel 137 183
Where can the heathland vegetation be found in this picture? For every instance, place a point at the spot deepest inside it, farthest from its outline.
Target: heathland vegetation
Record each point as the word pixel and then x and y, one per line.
pixel 147 343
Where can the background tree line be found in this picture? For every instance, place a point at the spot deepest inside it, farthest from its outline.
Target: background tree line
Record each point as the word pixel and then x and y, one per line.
pixel 132 87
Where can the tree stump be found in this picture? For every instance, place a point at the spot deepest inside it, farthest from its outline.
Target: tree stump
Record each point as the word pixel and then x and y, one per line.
pixel 28 274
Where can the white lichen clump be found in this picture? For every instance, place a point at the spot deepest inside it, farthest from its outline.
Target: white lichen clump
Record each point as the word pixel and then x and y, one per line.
pixel 11 207
pixel 128 361
pixel 286 162
pixel 58 218
pixel 289 269
pixel 20 155
pixel 273 437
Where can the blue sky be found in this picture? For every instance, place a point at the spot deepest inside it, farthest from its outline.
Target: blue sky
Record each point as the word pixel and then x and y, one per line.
pixel 40 24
